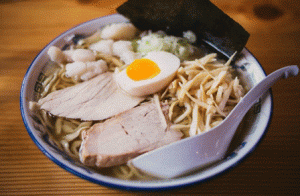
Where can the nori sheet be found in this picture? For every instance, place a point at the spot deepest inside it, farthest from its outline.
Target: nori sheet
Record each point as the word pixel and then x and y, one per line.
pixel 210 24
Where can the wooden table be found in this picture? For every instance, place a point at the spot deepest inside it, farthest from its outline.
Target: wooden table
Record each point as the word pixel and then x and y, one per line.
pixel 26 26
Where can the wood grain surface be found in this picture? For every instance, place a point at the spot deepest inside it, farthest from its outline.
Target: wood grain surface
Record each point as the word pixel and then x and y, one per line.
pixel 26 26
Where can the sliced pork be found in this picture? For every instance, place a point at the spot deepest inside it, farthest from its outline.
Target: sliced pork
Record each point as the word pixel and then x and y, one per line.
pixel 96 99
pixel 125 136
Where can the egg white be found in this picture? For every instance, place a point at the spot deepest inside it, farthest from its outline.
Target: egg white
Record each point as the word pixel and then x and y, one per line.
pixel 168 64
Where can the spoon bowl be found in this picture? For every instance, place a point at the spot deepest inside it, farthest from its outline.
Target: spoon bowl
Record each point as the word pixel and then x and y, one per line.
pixel 198 151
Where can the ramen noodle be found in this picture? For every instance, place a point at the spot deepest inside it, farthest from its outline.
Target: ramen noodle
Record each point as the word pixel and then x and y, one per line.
pixel 200 96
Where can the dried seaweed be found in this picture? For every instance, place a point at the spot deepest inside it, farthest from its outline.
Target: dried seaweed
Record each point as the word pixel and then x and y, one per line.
pixel 210 24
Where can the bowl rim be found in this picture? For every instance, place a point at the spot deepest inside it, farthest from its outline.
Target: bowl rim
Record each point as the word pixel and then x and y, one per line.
pixel 117 183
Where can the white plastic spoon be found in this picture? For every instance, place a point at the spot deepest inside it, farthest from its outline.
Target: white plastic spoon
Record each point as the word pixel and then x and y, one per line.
pixel 192 153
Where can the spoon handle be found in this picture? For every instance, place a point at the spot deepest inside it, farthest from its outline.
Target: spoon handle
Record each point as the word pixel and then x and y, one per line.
pixel 261 88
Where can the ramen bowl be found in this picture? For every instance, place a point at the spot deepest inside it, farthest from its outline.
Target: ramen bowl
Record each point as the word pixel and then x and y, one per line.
pixel 247 137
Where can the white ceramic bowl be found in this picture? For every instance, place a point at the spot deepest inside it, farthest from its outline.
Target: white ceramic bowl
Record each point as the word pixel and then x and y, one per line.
pixel 245 141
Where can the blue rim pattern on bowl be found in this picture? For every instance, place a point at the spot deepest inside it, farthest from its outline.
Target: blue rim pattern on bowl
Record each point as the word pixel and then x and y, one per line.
pixel 117 183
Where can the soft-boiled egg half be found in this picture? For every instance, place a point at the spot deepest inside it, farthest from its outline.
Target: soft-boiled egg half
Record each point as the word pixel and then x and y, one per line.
pixel 149 74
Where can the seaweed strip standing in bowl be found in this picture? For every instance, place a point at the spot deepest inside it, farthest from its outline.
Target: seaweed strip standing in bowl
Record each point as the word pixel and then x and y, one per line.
pixel 210 24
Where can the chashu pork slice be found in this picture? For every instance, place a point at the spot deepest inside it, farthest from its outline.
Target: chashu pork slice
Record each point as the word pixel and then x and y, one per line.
pixel 96 99
pixel 125 136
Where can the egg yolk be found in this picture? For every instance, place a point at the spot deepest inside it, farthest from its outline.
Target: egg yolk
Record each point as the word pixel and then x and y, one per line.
pixel 142 69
